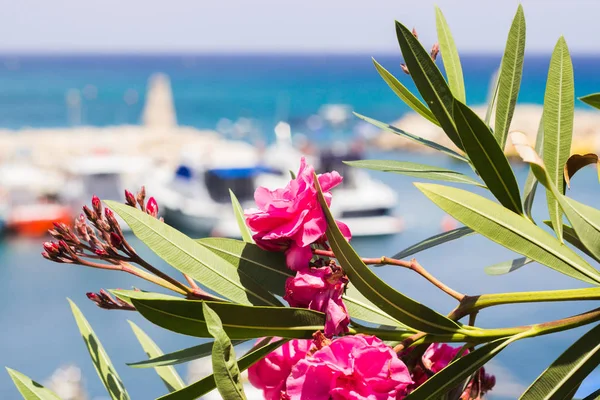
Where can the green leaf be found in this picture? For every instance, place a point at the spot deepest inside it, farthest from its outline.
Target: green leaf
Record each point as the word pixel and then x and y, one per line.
pixel 511 230
pixel 559 103
pixel 507 266
pixel 403 308
pixel 239 321
pixel 415 170
pixel 565 374
pixel 179 356
pixel 407 97
pixel 450 57
pixel 30 389
pixel 107 373
pixel 269 270
pixel 487 157
pixel 492 97
pixel 193 259
pixel 511 70
pixel 433 241
pixel 205 385
pixel 578 161
pixel 584 219
pixel 225 369
pixel 531 183
pixel 239 217
pixel 412 137
pixel 593 396
pixel 429 81
pixel 459 370
pixel 592 100
pixel 571 237
pixel 169 376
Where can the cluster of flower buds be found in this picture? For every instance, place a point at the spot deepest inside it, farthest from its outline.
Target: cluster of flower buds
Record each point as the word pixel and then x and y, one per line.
pixel 435 50
pixel 479 385
pixel 96 234
pixel 106 301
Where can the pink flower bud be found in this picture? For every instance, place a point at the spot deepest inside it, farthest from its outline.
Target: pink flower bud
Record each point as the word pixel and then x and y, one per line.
pixel 90 214
pixel 405 69
pixel 130 198
pixel 93 297
pixel 97 205
pixel 101 252
pixel 152 207
pixel 434 51
pixel 116 240
pixel 414 32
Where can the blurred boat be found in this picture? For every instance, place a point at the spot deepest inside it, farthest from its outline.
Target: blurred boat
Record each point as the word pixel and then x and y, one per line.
pixel 31 206
pixel 196 197
pixel 106 176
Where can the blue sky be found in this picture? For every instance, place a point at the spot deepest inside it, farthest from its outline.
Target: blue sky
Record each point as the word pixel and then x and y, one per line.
pixel 364 26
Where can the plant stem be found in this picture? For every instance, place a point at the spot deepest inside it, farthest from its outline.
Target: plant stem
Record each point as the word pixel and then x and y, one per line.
pixel 412 265
pixel 470 304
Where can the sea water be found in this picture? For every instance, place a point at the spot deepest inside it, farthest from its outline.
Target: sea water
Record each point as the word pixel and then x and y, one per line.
pixel 38 332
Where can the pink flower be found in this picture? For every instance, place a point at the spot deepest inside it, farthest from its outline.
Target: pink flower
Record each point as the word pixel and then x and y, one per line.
pixel 270 373
pixel 438 356
pixel 291 219
pixel 321 289
pixel 350 368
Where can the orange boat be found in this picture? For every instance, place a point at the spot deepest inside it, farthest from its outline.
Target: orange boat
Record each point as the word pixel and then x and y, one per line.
pixel 34 220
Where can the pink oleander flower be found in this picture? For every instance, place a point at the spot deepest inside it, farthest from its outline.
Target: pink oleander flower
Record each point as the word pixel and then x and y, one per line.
pixel 270 373
pixel 438 356
pixel 321 289
pixel 291 219
pixel 350 368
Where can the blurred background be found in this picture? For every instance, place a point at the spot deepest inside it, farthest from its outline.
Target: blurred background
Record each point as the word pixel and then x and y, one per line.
pixel 192 98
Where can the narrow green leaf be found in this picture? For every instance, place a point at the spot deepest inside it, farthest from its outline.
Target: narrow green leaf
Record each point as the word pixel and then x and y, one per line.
pixel 169 376
pixel 571 237
pixel 450 57
pixel 578 161
pixel 30 389
pixel 487 157
pixel 239 321
pixel 239 217
pixel 268 269
pixel 595 395
pixel 107 373
pixel 226 373
pixel 507 266
pixel 429 81
pixel 405 95
pixel 415 170
pixel 412 137
pixel 433 241
pixel 559 103
pixel 510 230
pixel 592 100
pixel 565 374
pixel 451 376
pixel 492 97
pixel 205 385
pixel 531 183
pixel 403 308
pixel 179 356
pixel 193 259
pixel 584 219
pixel 511 70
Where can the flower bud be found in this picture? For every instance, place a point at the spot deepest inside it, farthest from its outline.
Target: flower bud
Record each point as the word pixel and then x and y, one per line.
pixel 141 197
pixel 112 220
pixel 116 240
pixel 90 214
pixel 101 252
pixel 97 205
pixel 435 51
pixel 130 198
pixel 414 32
pixel 405 69
pixel 94 297
pixel 51 248
pixel 152 207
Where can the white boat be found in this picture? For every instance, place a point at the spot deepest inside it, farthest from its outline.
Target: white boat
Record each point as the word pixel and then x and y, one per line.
pixel 196 198
pixel 105 176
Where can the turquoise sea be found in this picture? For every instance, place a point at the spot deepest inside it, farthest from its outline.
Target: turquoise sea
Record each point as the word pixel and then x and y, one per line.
pixel 38 333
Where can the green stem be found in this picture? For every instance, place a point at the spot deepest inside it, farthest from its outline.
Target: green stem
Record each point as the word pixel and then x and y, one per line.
pixel 471 304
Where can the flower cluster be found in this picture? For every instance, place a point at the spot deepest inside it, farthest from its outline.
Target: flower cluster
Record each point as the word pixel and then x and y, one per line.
pixel 291 220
